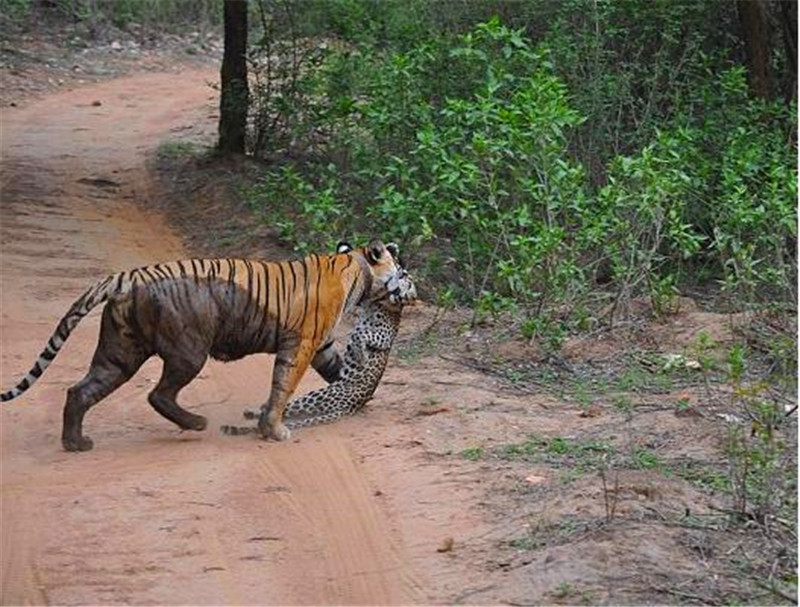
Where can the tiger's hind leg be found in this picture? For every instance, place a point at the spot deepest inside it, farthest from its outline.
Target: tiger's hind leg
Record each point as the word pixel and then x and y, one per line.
pixel 102 379
pixel 117 358
pixel 178 371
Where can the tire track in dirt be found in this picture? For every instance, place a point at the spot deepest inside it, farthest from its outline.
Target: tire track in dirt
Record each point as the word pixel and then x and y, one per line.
pixel 152 515
pixel 359 560
pixel 20 576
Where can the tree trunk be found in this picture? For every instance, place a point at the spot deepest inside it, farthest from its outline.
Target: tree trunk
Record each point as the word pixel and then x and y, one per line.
pixel 756 45
pixel 234 95
pixel 788 19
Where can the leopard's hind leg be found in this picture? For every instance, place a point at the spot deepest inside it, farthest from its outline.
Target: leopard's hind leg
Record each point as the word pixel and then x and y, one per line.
pixel 317 407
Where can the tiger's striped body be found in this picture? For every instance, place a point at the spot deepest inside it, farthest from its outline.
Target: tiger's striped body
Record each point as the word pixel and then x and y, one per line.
pixel 184 311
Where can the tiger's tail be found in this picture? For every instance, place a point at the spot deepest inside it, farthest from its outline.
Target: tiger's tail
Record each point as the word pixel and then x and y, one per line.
pixel 94 296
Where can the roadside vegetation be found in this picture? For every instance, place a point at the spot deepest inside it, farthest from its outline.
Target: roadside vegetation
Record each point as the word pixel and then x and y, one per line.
pixel 556 163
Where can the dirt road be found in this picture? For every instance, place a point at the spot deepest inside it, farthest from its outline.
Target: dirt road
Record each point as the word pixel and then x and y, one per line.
pixel 153 515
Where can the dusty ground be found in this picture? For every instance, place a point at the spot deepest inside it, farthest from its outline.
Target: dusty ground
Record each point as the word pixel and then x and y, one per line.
pixel 45 55
pixel 472 477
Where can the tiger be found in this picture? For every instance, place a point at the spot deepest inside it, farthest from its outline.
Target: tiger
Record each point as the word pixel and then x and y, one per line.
pixel 362 366
pixel 226 308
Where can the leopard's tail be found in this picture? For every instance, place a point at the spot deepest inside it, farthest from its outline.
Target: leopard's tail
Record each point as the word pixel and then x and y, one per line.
pixel 94 296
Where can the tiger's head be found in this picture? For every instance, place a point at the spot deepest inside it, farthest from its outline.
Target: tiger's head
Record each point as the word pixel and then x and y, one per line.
pixel 388 275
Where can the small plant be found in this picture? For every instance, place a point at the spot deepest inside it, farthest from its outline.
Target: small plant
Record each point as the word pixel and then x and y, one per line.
pixel 446 298
pixel 632 379
pixel 307 212
pixel 610 494
pixel 526 542
pixel 663 294
pixel 559 446
pixel 623 404
pixel 762 471
pixel 759 459
pixel 550 334
pixel 702 350
pixel 530 447
pixel 563 590
pixel 16 9
pixel 582 453
pixel 583 395
pixel 472 454
pixel 569 475
pixel 704 476
pixel 646 460
pixel 515 376
pixel 737 357
pixel 177 149
pixel 566 528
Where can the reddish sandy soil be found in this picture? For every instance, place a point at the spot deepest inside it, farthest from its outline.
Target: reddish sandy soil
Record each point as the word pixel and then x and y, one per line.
pixel 349 513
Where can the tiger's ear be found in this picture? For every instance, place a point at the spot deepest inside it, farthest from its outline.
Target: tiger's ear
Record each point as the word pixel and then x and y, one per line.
pixel 375 251
pixel 343 247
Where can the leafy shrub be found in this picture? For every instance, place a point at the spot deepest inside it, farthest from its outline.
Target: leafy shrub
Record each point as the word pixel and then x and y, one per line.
pixel 483 152
pixel 762 462
pixel 489 176
pixel 317 204
pixel 719 191
pixel 15 10
pixel 630 66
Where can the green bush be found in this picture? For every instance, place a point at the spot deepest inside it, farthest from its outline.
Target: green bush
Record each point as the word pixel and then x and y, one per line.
pixel 718 192
pixel 15 10
pixel 476 150
pixel 490 178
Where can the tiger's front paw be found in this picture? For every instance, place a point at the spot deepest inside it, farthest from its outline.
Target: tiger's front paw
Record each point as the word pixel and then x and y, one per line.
pixel 278 431
pixel 281 432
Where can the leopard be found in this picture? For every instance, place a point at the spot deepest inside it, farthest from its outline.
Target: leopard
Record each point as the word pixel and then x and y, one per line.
pixel 362 366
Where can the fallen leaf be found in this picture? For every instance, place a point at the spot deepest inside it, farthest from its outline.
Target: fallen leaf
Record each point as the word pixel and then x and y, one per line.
pixel 592 411
pixel 446 545
pixel 687 412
